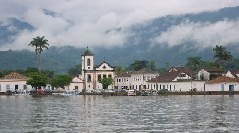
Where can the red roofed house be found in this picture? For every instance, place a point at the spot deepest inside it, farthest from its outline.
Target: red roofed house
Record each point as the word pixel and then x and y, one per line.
pixel 222 83
pixel 14 81
pixel 233 73
pixel 177 79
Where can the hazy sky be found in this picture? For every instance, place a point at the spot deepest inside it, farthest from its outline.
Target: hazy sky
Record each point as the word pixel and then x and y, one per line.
pixel 84 23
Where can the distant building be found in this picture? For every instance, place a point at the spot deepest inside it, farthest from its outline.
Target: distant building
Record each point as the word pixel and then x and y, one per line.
pixel 207 73
pixel 14 82
pixel 76 84
pixel 232 73
pixel 222 83
pixel 134 79
pixel 91 73
pixel 177 79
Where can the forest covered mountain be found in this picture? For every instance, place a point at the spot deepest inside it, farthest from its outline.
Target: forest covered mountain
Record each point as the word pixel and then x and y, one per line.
pixel 137 47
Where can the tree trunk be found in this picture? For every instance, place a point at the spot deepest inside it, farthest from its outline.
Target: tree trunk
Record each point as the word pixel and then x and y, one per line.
pixel 40 62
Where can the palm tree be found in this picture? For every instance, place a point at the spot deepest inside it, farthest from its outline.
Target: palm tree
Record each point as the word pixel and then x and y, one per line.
pixel 40 43
pixel 221 54
pixel 34 43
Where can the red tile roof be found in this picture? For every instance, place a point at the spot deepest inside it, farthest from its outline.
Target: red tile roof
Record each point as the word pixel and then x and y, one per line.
pixel 172 74
pixel 222 79
pixel 181 69
pixel 234 72
pixel 213 70
pixel 166 77
pixel 14 75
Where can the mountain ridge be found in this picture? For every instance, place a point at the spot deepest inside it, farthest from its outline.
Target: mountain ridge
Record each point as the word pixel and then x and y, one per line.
pixel 137 47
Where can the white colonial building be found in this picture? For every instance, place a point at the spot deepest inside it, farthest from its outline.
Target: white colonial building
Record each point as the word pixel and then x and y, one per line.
pixel 232 73
pixel 14 82
pixel 177 79
pixel 134 79
pixel 207 73
pixel 91 73
pixel 76 84
pixel 222 83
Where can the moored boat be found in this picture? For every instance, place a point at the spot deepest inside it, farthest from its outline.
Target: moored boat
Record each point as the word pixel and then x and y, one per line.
pixel 67 93
pixel 131 92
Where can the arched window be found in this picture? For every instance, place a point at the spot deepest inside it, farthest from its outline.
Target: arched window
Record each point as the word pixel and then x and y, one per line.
pixel 88 62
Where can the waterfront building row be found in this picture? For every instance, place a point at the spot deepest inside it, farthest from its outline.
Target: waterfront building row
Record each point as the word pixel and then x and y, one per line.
pixel 178 78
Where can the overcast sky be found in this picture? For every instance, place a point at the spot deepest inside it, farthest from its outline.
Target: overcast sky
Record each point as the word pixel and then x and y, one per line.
pixel 84 23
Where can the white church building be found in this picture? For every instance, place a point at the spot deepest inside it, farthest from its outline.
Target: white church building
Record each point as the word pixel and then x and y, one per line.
pixel 91 73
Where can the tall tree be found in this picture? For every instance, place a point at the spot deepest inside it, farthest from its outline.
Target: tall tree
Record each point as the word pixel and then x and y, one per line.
pixel 221 54
pixel 39 43
pixel 34 43
pixel 43 44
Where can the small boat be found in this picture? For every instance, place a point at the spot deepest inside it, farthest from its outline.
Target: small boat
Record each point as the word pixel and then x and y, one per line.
pixel 131 92
pixel 147 92
pixel 67 93
pixel 22 93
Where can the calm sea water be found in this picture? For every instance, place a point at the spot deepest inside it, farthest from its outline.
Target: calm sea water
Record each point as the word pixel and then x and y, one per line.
pixel 119 114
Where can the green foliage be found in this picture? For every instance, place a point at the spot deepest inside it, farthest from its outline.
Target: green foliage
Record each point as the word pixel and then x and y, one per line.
pixel 193 62
pixel 119 69
pixel 221 54
pixel 49 74
pixel 32 69
pixel 232 64
pixel 12 60
pixel 75 70
pixel 61 81
pixel 213 76
pixel 106 82
pixel 1 74
pixel 205 64
pixel 21 71
pixel 164 69
pixel 140 64
pixel 39 43
pixel 37 80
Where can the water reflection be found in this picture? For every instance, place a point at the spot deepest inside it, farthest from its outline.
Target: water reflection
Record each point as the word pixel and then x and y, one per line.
pixel 119 114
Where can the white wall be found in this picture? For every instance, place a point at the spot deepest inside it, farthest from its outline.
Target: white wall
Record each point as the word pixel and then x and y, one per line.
pixel 177 86
pixel 12 83
pixel 135 81
pixel 229 74
pixel 217 86
pixel 105 66
pixel 122 81
pixel 205 74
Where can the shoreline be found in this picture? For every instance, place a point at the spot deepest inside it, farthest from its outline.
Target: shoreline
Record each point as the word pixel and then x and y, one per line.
pixel 139 94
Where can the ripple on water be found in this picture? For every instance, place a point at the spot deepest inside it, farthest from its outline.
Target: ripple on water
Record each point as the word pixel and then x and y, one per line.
pixel 121 114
